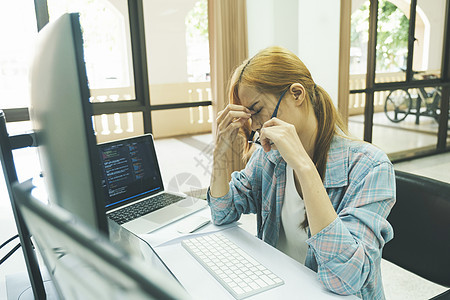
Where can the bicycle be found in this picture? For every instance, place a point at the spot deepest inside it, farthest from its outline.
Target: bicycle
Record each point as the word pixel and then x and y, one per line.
pixel 424 102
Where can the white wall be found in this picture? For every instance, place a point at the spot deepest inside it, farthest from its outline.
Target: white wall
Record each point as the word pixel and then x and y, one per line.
pixel 310 29
pixel 318 43
pixel 271 23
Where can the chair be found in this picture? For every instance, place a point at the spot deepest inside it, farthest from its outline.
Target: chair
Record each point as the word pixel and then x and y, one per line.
pixel 421 222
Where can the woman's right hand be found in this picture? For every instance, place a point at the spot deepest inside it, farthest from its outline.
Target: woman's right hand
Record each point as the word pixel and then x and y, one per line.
pixel 229 121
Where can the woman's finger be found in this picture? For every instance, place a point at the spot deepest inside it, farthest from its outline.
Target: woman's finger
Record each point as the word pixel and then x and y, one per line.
pixel 232 116
pixel 231 129
pixel 231 107
pixel 275 131
pixel 273 122
pixel 266 137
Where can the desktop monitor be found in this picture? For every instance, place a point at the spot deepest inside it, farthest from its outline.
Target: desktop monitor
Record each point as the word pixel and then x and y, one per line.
pixel 83 263
pixel 61 113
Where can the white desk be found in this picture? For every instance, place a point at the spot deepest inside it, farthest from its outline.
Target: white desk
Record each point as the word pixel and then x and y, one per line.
pixel 300 281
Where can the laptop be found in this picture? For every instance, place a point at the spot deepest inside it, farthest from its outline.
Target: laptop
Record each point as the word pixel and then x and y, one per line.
pixel 134 192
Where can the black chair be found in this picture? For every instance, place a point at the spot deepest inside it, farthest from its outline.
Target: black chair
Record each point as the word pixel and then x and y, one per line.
pixel 421 221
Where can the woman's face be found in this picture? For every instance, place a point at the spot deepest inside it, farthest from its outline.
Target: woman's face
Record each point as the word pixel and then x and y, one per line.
pixel 263 105
pixel 293 109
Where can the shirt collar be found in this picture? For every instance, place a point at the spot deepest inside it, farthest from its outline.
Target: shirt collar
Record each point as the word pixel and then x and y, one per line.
pixel 274 156
pixel 336 174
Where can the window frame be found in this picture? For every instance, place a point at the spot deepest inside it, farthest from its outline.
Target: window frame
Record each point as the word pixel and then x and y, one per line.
pixel 372 86
pixel 142 103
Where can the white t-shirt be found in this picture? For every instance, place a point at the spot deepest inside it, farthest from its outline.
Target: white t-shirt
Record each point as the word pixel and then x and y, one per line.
pixel 292 239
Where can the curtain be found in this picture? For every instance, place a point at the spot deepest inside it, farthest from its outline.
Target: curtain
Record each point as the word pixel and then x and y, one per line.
pixel 227 23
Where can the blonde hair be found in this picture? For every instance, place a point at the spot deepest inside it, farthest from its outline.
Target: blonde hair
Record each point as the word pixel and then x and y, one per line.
pixel 275 69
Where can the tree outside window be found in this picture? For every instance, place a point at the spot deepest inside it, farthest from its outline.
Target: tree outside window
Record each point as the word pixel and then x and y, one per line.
pixel 197 42
pixel 392 38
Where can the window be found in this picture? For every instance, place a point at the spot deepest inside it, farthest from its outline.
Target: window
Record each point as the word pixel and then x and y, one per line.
pixel 392 41
pixel 107 45
pixel 118 62
pixel 429 30
pixel 197 43
pixel 395 96
pixel 178 65
pixel 19 30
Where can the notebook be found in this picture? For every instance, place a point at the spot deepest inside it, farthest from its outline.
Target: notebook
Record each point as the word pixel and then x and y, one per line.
pixel 134 192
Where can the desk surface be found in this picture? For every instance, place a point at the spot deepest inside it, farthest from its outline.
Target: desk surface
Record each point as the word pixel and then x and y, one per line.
pixel 299 280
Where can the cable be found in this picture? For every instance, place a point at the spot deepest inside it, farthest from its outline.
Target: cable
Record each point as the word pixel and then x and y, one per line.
pixel 9 253
pixel 9 240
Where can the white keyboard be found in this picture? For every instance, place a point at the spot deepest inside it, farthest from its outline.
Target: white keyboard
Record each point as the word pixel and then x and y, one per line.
pixel 237 271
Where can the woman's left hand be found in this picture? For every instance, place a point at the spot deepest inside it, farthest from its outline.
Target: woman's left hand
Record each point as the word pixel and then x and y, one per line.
pixel 284 137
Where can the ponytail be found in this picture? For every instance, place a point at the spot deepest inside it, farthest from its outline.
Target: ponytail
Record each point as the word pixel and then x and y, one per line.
pixel 326 116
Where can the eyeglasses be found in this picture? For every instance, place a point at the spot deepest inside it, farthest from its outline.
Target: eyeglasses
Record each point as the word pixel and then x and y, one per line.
pixel 274 114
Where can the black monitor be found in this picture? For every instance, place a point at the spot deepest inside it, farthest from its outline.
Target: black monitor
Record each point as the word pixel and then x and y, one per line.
pixel 83 263
pixel 61 114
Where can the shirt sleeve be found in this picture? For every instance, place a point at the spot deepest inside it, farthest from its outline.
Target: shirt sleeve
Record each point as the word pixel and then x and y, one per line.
pixel 241 194
pixel 348 251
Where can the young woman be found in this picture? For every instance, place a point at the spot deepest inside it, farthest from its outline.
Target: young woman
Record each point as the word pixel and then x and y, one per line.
pixel 320 197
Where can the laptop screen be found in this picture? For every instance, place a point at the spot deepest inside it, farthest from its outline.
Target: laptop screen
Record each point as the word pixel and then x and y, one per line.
pixel 130 170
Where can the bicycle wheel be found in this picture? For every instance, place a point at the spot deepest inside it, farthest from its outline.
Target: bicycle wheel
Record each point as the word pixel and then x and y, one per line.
pixel 397 105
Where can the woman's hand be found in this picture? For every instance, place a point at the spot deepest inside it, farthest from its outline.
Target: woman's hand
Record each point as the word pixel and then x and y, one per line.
pixel 282 136
pixel 229 121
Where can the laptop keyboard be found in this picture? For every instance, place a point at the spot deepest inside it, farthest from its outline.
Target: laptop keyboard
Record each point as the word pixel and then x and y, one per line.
pixel 144 207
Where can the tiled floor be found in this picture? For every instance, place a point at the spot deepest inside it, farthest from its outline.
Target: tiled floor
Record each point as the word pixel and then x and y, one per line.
pixel 436 166
pixel 192 156
pixel 397 137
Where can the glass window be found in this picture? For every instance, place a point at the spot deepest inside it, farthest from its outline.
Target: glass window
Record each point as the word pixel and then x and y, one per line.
pixel 197 42
pixel 358 44
pixel 177 45
pixel 19 30
pixel 178 63
pixel 429 30
pixel 392 41
pixel 107 45
pixel 406 122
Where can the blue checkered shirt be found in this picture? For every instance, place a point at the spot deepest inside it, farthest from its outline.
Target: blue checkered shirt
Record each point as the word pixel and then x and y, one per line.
pixel 360 182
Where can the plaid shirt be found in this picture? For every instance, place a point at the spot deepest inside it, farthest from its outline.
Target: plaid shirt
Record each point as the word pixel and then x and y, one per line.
pixel 360 182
